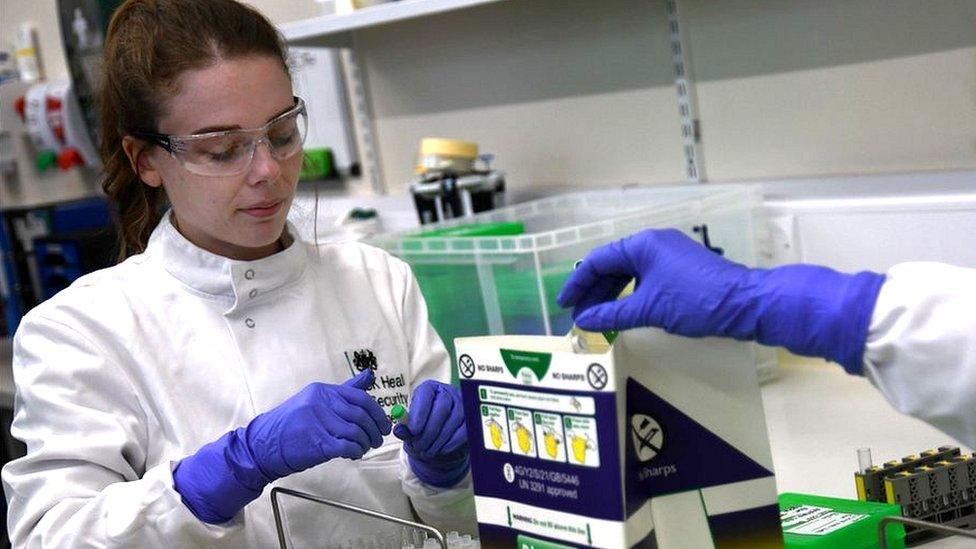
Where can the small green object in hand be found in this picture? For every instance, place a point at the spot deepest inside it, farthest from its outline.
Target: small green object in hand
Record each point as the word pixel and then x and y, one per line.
pixel 399 414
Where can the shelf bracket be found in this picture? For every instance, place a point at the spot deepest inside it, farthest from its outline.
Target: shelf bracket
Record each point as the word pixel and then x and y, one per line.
pixel 687 97
pixel 362 118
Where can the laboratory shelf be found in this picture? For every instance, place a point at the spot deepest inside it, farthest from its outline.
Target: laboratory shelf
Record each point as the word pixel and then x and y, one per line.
pixel 27 189
pixel 335 30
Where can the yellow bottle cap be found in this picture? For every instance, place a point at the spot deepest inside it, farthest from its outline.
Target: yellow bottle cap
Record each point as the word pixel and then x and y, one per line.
pixel 448 147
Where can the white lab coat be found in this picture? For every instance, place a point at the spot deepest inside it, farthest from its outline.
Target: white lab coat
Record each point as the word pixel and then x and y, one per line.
pixel 134 367
pixel 921 348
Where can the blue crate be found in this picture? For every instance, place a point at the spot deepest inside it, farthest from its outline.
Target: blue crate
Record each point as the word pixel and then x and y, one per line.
pixel 78 216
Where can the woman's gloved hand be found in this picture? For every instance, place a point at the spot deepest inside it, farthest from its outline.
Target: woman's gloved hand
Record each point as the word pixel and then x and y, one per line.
pixel 435 438
pixel 689 290
pixel 319 423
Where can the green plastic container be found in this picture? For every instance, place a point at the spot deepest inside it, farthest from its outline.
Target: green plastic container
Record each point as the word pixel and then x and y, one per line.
pixel 817 522
pixel 317 164
pixel 476 229
pixel 499 272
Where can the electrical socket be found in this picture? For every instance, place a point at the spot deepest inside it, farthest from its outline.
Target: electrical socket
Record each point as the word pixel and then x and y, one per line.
pixel 782 246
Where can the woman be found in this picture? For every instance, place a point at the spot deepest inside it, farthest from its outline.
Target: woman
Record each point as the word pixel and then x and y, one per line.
pixel 159 399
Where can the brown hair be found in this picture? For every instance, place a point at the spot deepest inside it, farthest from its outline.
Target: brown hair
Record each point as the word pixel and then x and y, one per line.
pixel 150 43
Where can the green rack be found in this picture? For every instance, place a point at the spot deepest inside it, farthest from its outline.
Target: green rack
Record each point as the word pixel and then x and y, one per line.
pixel 818 522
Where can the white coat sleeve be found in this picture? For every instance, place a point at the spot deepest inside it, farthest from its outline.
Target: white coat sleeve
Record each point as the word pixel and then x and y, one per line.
pixel 921 346
pixel 446 509
pixel 83 481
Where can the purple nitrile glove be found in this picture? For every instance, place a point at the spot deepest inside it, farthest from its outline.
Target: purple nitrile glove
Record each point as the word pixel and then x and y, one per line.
pixel 435 438
pixel 689 290
pixel 319 423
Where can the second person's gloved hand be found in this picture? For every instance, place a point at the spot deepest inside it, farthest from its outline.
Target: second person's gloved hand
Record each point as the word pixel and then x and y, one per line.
pixel 435 438
pixel 689 290
pixel 319 423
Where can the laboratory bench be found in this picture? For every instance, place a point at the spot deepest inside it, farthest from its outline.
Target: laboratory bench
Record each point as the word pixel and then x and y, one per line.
pixel 817 416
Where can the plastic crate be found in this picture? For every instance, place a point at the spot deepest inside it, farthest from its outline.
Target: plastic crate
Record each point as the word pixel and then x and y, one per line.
pixel 479 285
pixel 61 258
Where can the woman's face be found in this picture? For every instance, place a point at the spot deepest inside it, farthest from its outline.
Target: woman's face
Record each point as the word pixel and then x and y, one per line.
pixel 238 216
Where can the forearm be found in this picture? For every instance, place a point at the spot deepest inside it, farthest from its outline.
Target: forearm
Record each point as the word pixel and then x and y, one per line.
pixel 808 309
pixel 232 479
pixel 921 347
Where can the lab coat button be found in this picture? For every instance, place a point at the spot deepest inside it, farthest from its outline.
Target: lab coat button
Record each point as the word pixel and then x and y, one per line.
pixel 248 322
pixel 252 294
pixel 249 274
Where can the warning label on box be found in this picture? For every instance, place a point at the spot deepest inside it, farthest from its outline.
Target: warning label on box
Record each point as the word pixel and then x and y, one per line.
pixel 811 520
pixel 494 426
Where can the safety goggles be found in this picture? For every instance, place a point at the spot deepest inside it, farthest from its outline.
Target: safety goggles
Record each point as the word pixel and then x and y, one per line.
pixel 230 152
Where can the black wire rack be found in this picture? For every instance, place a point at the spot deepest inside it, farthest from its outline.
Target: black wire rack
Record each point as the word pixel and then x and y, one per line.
pixel 279 525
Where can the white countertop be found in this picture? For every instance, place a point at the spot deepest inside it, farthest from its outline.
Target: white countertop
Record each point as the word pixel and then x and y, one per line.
pixel 818 416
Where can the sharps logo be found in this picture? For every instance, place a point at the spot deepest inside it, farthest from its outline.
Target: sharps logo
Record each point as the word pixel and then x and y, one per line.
pixel 361 360
pixel 648 437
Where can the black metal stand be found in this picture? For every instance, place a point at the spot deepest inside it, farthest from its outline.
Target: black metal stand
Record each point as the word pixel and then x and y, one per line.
pixel 282 542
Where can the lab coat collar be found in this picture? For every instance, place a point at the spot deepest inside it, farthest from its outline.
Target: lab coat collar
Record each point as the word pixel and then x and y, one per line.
pixel 221 277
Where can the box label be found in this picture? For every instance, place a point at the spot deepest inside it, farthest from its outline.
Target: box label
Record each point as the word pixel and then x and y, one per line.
pixel 526 542
pixel 523 432
pixel 537 363
pixel 582 441
pixel 545 447
pixel 494 427
pixel 811 520
pixel 550 402
pixel 668 452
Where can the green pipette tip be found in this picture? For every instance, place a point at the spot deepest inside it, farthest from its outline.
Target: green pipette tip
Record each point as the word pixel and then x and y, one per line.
pixel 399 411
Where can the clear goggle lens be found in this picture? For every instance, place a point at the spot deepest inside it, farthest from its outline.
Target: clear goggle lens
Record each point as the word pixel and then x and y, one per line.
pixel 230 153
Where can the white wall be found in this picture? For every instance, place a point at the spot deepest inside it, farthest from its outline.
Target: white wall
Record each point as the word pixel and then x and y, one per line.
pixel 813 87
pixel 564 92
pixel 283 11
pixel 575 92
pixel 875 221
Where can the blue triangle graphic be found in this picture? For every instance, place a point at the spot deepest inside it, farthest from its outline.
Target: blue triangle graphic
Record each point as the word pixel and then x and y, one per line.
pixel 669 452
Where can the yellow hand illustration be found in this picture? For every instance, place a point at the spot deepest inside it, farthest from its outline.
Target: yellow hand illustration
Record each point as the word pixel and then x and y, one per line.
pixel 496 433
pixel 552 443
pixel 524 438
pixel 580 446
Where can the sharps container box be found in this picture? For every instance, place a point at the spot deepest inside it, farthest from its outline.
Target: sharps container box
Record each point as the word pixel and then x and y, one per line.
pixel 660 441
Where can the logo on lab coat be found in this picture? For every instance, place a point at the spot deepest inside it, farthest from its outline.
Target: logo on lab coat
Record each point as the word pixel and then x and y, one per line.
pixel 389 388
pixel 362 359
